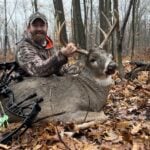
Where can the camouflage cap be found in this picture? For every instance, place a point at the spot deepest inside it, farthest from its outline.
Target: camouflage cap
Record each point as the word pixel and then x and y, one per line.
pixel 37 15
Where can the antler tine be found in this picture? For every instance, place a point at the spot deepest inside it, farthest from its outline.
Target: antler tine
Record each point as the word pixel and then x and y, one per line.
pixel 103 32
pixel 81 51
pixel 108 34
pixel 59 34
pixel 109 24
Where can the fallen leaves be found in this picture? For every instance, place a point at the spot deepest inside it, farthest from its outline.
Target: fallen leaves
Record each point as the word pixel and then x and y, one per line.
pixel 110 136
pixel 4 147
pixel 136 128
pixel 128 126
pixel 138 145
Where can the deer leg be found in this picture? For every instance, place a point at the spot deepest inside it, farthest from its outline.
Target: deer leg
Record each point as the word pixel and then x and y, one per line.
pixel 81 116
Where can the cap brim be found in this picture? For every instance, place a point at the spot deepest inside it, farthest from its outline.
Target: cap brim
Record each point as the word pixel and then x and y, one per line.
pixel 38 18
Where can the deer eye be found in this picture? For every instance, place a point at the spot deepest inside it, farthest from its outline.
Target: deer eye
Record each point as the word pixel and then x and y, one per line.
pixel 92 60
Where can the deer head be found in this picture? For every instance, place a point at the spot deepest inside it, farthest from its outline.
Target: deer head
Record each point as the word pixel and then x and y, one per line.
pixel 98 61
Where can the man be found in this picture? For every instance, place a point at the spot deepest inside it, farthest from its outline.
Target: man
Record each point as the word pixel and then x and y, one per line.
pixel 35 53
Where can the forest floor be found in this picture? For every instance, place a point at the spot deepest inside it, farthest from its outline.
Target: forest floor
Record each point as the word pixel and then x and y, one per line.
pixel 127 126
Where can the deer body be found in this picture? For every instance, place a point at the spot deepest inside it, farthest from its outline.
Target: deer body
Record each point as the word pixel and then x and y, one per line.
pixel 70 98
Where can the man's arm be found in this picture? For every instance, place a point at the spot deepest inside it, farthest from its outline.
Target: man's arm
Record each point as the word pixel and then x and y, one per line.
pixel 29 61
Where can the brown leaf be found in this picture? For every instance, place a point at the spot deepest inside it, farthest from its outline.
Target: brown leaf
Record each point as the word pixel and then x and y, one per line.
pixel 37 147
pixel 110 136
pixel 143 77
pixel 4 147
pixel 136 128
pixel 146 92
pixel 123 125
pixel 127 93
pixel 131 87
pixel 138 145
pixel 133 108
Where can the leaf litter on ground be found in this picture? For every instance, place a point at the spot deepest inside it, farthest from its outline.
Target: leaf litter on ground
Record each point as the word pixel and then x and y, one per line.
pixel 128 126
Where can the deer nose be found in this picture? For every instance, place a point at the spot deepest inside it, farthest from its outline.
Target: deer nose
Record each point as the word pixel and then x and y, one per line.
pixel 112 66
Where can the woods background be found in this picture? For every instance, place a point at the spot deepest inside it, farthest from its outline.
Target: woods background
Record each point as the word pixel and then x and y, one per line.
pixel 83 18
pixel 128 102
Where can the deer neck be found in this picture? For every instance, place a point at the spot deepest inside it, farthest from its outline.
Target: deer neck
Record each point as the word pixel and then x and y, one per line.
pixel 105 81
pixel 101 80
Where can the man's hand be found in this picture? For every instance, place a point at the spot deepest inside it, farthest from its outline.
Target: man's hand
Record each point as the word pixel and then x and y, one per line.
pixel 69 50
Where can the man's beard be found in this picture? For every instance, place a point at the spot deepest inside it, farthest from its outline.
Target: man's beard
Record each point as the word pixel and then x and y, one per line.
pixel 39 37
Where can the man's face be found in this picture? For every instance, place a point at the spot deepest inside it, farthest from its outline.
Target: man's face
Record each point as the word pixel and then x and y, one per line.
pixel 38 30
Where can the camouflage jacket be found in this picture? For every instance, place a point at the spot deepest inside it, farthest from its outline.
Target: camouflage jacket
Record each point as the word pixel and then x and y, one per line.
pixel 36 60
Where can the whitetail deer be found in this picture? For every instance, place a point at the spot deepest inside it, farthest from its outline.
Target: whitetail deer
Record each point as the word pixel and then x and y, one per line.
pixel 73 98
pixel 98 64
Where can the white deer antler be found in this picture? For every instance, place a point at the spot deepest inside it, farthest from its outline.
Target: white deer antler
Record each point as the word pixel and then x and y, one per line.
pixel 107 35
pixel 82 51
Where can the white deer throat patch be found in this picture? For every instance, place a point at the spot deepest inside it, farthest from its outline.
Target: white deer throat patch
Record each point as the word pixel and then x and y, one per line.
pixel 104 81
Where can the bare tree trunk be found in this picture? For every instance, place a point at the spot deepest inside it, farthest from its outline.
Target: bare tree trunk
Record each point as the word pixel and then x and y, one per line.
pixel 16 33
pixel 109 15
pixel 5 32
pixel 85 20
pixel 25 11
pixel 79 32
pixel 91 25
pixel 145 37
pixel 97 31
pixel 129 37
pixel 60 18
pixel 117 32
pixel 121 32
pixel 102 19
pixel 72 23
pixel 85 15
pixel 35 5
pixel 133 28
pixel 137 23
